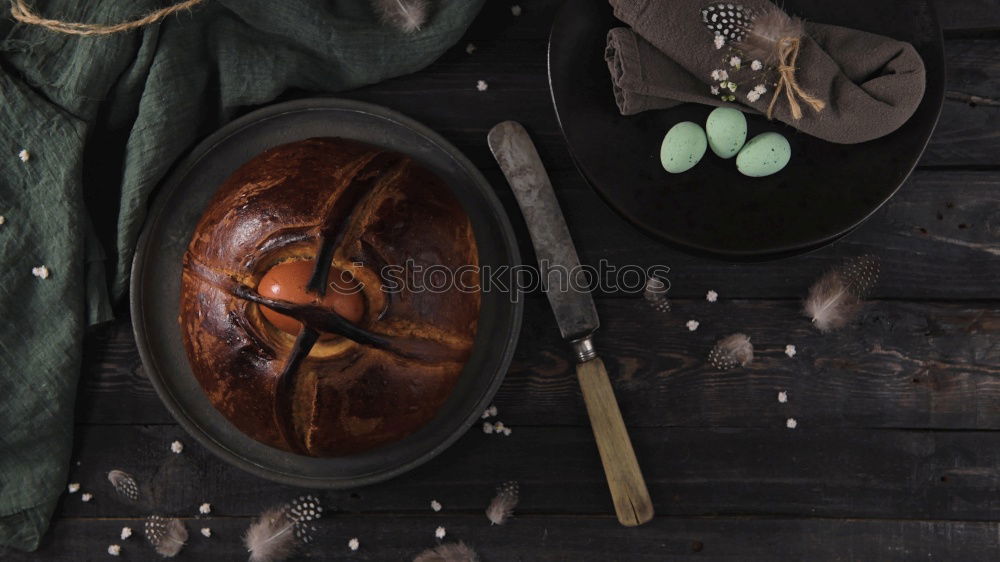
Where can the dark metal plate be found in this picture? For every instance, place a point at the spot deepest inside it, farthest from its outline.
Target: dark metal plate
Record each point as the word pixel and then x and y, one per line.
pixel 825 191
pixel 156 272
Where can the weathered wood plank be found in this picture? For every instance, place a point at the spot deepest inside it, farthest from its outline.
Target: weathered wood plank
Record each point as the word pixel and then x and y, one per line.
pixel 900 365
pixel 969 15
pixel 809 471
pixel 560 538
pixel 936 239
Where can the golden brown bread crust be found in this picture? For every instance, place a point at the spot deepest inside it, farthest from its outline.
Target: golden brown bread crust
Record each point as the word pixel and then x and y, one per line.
pixel 383 209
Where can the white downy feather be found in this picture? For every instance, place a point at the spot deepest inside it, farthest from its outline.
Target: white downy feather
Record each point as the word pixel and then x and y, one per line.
pixel 731 351
pixel 448 552
pixel 836 297
pixel 406 15
pixel 167 536
pixel 277 532
pixel 502 506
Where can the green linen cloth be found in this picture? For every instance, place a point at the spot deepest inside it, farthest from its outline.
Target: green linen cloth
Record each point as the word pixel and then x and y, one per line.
pixel 103 119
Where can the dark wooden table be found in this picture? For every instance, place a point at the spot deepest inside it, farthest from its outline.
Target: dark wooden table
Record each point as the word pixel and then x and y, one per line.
pixel 897 450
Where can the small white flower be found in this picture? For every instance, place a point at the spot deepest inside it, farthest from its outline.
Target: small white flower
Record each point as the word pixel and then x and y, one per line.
pixel 487 427
pixel 719 41
pixel 515 9
pixel 756 65
pixel 24 155
pixel 489 412
pixel 205 508
pixel 731 86
pixel 506 431
pixel 711 296
pixel 177 447
pixel 735 62
pixel 692 325
pixel 498 427
pixel 440 532
pixel 354 544
pixel 470 48
pixel 206 532
pixel 791 423
pixel 435 505
pixel 752 96
pixel 114 550
pixel 87 496
pixel 715 90
pixel 482 85
pixel 782 397
pixel 760 89
pixel 40 272
pixel 790 350
pixel 74 487
pixel 126 532
pixel 2 219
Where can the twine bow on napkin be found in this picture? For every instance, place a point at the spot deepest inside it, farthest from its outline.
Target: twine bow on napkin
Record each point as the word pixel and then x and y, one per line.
pixel 787 54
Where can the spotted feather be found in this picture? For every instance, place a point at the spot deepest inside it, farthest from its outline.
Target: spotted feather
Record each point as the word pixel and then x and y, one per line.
pixel 729 21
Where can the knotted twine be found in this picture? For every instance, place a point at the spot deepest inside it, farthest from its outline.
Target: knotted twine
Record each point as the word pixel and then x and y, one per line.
pixel 788 53
pixel 21 12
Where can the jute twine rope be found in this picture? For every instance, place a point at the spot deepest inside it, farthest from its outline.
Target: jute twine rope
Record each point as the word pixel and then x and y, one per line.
pixel 21 12
pixel 788 53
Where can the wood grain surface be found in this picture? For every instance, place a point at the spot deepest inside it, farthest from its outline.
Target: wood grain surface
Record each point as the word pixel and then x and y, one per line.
pixel 896 452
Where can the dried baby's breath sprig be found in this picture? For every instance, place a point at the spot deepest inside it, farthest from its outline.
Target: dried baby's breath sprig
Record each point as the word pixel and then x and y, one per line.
pixel 731 351
pixel 502 506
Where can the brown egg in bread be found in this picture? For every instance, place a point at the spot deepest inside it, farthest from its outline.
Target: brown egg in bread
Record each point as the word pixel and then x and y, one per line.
pixel 342 358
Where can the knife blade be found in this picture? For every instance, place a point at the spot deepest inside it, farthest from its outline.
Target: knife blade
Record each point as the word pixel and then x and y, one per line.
pixel 576 315
pixel 512 147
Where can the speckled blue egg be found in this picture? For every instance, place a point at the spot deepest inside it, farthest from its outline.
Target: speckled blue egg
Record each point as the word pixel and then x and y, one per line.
pixel 726 129
pixel 682 147
pixel 763 155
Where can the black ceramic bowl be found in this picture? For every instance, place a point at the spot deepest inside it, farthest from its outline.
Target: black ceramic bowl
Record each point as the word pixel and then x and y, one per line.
pixel 825 191
pixel 156 275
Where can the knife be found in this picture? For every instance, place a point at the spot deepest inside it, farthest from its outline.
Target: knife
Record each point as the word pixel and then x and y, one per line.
pixel 576 315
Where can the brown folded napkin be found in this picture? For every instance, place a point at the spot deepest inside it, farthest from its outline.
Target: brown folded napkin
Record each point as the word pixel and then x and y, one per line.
pixel 868 85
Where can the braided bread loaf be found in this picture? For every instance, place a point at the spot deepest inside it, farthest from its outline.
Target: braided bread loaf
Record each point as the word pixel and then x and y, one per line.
pixel 339 358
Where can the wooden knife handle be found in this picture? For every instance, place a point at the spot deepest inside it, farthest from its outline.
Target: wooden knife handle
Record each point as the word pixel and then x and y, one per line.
pixel 628 489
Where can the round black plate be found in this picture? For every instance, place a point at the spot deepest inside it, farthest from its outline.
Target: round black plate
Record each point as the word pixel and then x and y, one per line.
pixel 156 275
pixel 825 191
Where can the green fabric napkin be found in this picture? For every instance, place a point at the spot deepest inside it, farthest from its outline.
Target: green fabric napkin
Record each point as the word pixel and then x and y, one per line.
pixel 102 120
